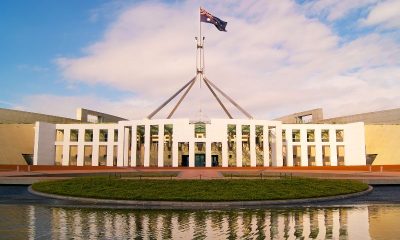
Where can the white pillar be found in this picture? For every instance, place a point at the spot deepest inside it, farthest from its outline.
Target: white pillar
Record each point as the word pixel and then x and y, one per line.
pixel 303 142
pixel 126 148
pixel 81 147
pixel 160 145
pixel 318 147
pixel 289 147
pixel 266 145
pixel 147 145
pixel 65 160
pixel 134 146
pixel 225 152
pixel 334 160
pixel 332 145
pixel 191 154
pixel 175 152
pixel 110 151
pixel 95 153
pixel 253 156
pixel 208 153
pixel 278 146
pixel 239 152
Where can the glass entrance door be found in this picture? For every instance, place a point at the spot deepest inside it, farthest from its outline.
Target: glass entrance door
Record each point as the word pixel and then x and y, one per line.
pixel 200 160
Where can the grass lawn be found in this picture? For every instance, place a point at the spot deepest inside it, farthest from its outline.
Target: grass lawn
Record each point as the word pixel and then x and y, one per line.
pixel 199 190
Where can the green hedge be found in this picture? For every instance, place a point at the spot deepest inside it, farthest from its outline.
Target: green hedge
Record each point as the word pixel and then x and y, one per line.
pixel 199 190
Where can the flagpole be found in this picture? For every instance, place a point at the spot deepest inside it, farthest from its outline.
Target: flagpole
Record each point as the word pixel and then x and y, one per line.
pixel 201 50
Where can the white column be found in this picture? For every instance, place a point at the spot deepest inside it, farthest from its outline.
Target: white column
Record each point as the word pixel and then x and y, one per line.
pixel 134 146
pixel 303 142
pixel 318 147
pixel 161 145
pixel 110 147
pixel 278 146
pixel 208 153
pixel 126 147
pixel 109 155
pixel 122 145
pixel 191 154
pixel 334 160
pixel 95 153
pixel 175 152
pixel 225 152
pixel 289 147
pixel 332 144
pixel 239 152
pixel 81 147
pixel 253 145
pixel 67 136
pixel 147 145
pixel 266 145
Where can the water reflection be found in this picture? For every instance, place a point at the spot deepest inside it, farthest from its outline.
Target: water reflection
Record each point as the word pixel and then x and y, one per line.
pixel 40 222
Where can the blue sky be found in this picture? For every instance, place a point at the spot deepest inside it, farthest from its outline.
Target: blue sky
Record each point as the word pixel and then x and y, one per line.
pixel 34 33
pixel 126 57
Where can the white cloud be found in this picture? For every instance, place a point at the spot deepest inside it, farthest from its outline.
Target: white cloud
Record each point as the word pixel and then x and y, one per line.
pixel 385 14
pixel 273 60
pixel 66 105
pixel 333 9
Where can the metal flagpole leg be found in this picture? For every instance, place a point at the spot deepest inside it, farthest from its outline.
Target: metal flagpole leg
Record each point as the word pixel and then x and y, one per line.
pixel 169 99
pixel 229 99
pixel 181 99
pixel 219 101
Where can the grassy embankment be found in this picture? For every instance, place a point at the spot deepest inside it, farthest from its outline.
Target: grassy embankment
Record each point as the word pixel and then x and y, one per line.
pixel 199 190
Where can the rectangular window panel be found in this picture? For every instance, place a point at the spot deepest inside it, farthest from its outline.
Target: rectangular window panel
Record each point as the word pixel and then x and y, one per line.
pixel 231 129
pixel 74 135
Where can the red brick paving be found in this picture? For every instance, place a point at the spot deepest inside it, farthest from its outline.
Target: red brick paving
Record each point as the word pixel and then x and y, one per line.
pixel 388 171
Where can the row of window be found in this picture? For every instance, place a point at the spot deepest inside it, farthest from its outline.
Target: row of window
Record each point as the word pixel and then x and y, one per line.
pixel 74 135
pixel 200 133
pixel 296 135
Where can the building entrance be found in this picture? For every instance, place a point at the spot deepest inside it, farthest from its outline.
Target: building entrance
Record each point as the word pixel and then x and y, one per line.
pixel 200 160
pixel 185 161
pixel 214 160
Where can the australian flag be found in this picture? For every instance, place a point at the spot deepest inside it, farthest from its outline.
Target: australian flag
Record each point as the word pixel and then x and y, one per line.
pixel 208 18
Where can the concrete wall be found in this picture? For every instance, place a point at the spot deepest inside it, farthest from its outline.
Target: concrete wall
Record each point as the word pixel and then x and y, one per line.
pixel 316 115
pixel 15 116
pixel 15 140
pixel 84 115
pixel 391 116
pixel 383 140
pixel 44 144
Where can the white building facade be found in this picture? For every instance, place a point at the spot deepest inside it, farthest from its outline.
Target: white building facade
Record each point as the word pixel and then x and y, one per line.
pixel 182 143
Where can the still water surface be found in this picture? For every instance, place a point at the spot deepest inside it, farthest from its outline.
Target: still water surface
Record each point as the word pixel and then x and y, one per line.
pixel 49 222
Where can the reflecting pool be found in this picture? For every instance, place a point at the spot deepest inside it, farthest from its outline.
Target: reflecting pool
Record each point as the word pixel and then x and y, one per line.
pixel 49 222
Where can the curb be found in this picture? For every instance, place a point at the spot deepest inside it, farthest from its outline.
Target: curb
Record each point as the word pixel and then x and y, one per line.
pixel 199 205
